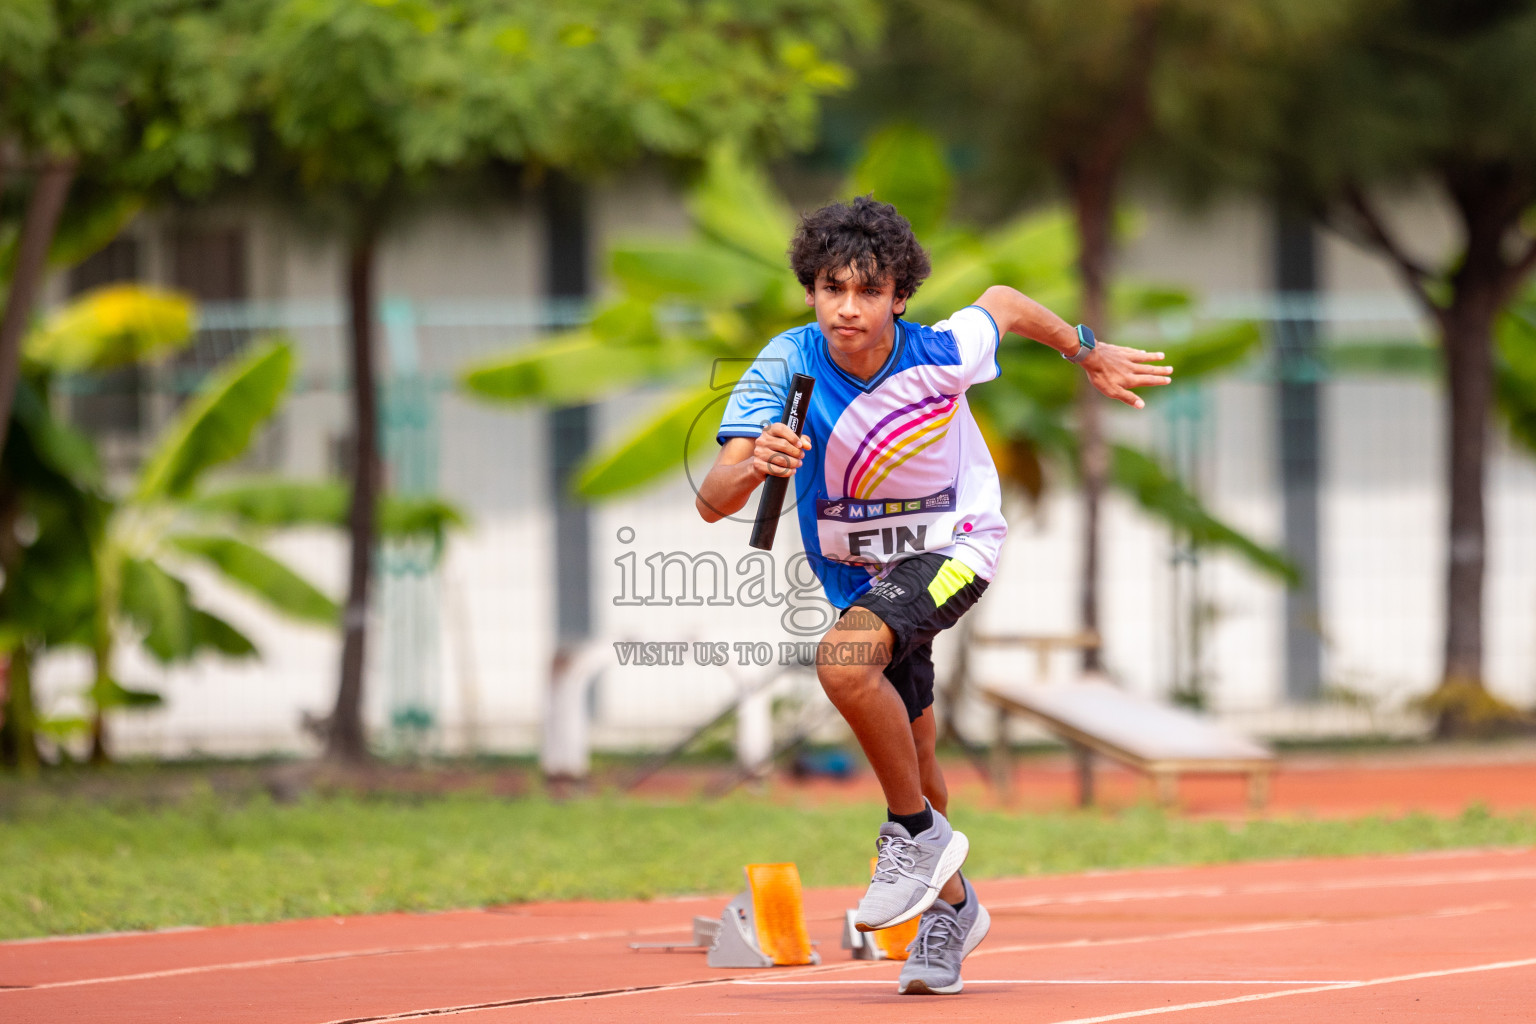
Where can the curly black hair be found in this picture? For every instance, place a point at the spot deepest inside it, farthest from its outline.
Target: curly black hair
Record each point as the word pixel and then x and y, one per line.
pixel 866 234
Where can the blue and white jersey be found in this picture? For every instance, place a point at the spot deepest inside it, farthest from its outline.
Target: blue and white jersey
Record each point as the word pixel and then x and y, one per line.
pixel 898 466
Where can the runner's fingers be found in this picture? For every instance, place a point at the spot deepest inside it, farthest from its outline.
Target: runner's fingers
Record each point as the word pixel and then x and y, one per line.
pixel 780 457
pixel 779 453
pixel 789 437
pixel 775 443
pixel 1129 399
pixel 777 464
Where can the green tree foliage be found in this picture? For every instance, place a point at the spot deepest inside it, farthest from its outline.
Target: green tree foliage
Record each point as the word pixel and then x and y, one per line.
pixel 364 105
pixel 689 312
pixel 100 101
pixel 101 568
pixel 348 108
pixel 1067 96
pixel 1516 362
pixel 1413 93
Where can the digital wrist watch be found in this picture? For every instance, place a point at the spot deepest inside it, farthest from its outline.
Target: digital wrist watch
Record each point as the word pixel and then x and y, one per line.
pixel 1085 344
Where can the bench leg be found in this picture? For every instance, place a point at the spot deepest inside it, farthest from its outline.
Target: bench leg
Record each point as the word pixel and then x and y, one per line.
pixel 1083 757
pixel 1002 760
pixel 1258 790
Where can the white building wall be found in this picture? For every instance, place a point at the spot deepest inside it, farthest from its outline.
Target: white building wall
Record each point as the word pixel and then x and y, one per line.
pixel 1382 520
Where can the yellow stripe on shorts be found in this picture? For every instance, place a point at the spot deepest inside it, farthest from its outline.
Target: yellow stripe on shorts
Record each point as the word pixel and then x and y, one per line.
pixel 952 575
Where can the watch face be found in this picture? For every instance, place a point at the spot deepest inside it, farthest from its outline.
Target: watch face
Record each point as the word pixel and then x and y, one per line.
pixel 1085 335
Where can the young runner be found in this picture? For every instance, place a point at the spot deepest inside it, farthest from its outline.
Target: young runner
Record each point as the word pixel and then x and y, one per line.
pixel 900 515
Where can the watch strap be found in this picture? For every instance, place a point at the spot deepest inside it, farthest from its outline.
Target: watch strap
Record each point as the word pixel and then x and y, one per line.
pixel 1085 344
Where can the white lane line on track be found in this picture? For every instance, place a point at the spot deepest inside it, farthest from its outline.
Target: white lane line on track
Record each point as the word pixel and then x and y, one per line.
pixel 1077 981
pixel 1243 929
pixel 345 954
pixel 131 933
pixel 245 965
pixel 1340 987
pixel 1406 881
pixel 1269 889
pixel 865 965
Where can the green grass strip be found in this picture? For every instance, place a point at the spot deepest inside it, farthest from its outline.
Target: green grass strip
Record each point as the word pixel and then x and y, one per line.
pixel 73 865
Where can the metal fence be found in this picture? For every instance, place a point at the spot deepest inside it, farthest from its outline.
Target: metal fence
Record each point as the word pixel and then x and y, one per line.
pixel 463 638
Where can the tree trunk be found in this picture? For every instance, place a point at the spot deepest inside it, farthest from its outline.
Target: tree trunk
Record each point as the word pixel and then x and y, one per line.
pixel 345 740
pixel 1092 175
pixel 1093 207
pixel 37 230
pixel 1468 345
pixel 1491 198
pixel 18 733
pixel 101 659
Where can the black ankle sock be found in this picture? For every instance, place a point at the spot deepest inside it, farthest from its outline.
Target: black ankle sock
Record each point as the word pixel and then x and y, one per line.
pixel 922 821
pixel 963 898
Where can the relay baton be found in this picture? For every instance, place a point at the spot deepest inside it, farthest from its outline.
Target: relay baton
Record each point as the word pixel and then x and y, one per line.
pixel 769 508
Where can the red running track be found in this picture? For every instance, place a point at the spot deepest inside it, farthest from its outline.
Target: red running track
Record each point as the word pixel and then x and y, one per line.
pixel 1442 937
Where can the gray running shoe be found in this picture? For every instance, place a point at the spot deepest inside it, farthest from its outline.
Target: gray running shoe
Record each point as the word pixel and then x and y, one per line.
pixel 909 872
pixel 944 938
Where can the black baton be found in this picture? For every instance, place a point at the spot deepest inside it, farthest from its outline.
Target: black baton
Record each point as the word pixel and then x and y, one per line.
pixel 796 406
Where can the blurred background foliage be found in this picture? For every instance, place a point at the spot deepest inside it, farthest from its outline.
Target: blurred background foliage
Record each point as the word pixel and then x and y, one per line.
pixel 684 307
pixel 345 114
pixel 106 563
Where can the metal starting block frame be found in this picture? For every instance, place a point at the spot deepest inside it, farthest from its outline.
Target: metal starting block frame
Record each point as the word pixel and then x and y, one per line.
pixel 885 944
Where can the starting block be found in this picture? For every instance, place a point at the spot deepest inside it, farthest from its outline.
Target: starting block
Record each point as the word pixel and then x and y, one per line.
pixel 885 944
pixel 762 927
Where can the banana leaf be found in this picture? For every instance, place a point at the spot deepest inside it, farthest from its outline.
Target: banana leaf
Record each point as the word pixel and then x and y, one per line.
pixel 686 425
pixel 214 633
pixel 905 166
pixel 1515 384
pixel 55 444
pixel 1161 495
pixel 692 270
pixel 160 605
pixel 218 424
pixel 277 503
pixel 86 225
pixel 577 367
pixel 1211 351
pixel 736 206
pixel 1376 358
pixel 107 694
pixel 261 575
pixel 110 328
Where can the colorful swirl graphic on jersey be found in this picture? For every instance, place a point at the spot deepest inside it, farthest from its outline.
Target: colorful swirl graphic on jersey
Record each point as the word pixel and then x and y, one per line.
pixel 895 439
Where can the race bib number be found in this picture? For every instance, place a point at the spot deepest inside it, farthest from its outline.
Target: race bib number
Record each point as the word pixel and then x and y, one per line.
pixel 872 533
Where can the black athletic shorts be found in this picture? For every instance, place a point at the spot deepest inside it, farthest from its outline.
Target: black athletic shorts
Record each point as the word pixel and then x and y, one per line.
pixel 917 598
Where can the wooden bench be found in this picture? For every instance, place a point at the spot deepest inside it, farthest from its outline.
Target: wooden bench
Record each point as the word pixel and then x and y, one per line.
pixel 1095 717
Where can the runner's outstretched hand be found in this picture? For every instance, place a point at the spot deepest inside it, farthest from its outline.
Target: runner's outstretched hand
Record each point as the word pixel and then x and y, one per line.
pixel 1115 369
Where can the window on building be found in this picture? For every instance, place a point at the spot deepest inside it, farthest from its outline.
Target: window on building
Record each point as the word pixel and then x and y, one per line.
pixel 109 403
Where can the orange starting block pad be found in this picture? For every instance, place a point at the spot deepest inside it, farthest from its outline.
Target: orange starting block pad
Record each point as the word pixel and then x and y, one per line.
pixel 762 927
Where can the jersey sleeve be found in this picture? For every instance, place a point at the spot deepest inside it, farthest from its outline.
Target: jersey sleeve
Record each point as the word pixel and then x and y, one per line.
pixel 976 337
pixel 757 399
